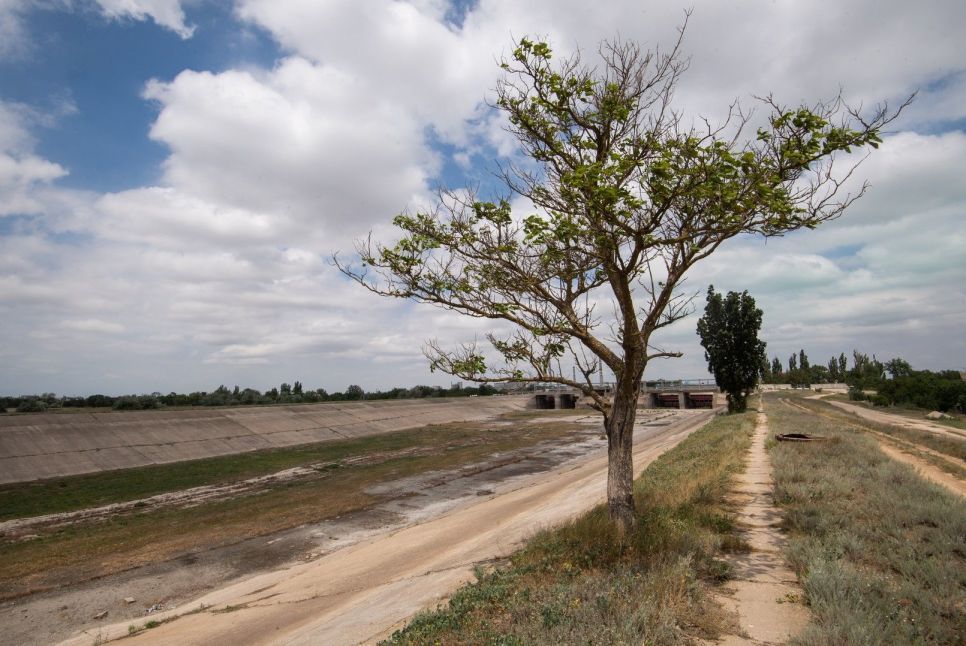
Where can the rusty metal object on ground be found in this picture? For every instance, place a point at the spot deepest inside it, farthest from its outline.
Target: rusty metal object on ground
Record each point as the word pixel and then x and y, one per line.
pixel 800 437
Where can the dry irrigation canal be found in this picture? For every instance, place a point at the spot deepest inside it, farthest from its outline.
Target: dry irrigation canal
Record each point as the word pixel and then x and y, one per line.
pixel 327 523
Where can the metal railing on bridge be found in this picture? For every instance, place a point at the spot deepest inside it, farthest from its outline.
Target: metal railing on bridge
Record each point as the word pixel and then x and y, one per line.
pixel 658 385
pixel 680 384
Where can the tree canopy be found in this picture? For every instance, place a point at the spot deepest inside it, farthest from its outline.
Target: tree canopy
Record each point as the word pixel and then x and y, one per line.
pixel 729 333
pixel 627 196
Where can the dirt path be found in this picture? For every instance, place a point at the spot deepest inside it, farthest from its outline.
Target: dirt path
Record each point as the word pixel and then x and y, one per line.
pixel 926 470
pixel 764 593
pixel 47 617
pixel 362 592
pixel 896 449
pixel 898 420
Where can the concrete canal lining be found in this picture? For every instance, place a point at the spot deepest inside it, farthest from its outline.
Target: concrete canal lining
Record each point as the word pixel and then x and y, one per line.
pixel 48 445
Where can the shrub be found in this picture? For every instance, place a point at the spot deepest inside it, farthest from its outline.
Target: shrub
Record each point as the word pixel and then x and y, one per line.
pixel 127 403
pixel 149 402
pixel 880 400
pixel 32 406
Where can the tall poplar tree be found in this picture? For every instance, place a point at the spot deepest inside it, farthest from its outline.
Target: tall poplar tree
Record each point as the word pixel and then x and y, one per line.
pixel 776 367
pixel 729 335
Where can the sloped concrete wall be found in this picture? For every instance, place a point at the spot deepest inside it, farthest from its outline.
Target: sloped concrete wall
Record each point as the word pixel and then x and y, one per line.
pixel 48 445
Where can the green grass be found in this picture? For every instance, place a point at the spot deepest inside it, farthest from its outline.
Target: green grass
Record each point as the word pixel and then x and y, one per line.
pixel 581 583
pixel 880 552
pixel 134 630
pixel 909 412
pixel 957 421
pixel 947 445
pixel 84 550
pixel 80 492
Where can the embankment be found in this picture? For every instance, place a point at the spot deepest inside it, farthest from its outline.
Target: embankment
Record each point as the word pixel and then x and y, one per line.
pixel 48 445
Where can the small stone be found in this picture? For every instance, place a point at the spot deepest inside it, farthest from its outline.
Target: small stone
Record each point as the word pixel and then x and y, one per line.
pixel 128 599
pixel 100 615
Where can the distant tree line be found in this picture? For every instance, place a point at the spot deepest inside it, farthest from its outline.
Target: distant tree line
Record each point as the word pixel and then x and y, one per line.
pixel 801 372
pixel 285 393
pixel 892 382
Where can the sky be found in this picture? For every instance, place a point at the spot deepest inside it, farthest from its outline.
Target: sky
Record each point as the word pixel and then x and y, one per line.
pixel 175 176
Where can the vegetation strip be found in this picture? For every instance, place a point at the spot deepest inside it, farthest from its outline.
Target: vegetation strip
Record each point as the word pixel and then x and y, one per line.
pixel 205 493
pixel 88 550
pixel 933 427
pixel 880 552
pixel 909 413
pixel 945 468
pixel 928 471
pixel 583 583
pixel 951 465
pixel 71 493
pixel 946 453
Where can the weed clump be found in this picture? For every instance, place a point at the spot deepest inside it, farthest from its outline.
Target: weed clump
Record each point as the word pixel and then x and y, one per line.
pixel 879 551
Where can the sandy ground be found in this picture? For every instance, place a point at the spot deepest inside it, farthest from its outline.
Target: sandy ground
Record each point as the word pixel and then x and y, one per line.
pixel 50 616
pixel 764 592
pixel 194 495
pixel 361 592
pixel 897 448
pixel 898 420
pixel 925 469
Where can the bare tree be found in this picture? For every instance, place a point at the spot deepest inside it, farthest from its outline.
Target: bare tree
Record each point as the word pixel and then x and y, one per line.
pixel 629 199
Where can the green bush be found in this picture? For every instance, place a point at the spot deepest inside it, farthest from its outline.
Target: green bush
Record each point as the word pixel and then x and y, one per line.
pixel 148 402
pixel 127 402
pixel 32 406
pixel 880 400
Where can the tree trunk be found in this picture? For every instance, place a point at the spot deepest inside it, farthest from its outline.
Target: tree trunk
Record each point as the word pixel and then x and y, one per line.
pixel 619 422
pixel 737 402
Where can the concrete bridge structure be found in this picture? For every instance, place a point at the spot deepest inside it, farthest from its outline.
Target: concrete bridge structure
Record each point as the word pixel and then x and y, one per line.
pixel 683 393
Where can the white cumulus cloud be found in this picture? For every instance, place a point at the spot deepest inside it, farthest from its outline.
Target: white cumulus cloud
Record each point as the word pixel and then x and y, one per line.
pixel 21 171
pixel 310 144
pixel 166 13
pixel 218 272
